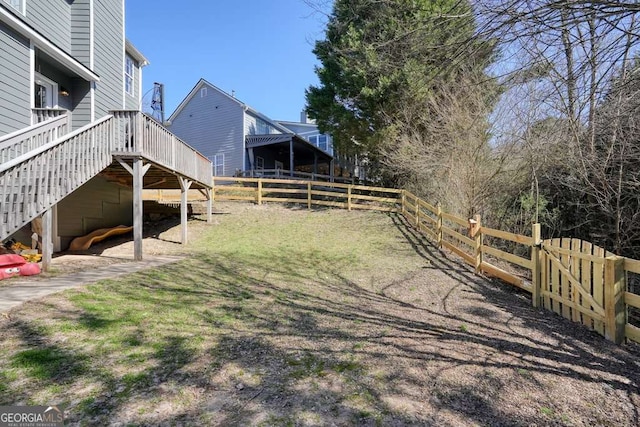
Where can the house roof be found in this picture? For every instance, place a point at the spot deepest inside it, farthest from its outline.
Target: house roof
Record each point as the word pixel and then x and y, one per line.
pixel 285 131
pixel 46 45
pixel 135 53
pixel 247 108
pixel 195 90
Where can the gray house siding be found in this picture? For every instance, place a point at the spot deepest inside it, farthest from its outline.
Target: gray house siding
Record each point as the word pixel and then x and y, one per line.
pixel 15 102
pixel 81 31
pixel 212 124
pixel 109 56
pixel 97 204
pixel 52 19
pixel 80 92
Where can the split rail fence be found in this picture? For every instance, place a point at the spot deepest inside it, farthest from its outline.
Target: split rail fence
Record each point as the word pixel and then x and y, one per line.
pixel 573 278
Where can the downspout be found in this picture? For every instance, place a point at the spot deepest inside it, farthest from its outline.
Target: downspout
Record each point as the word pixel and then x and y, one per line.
pixel 244 137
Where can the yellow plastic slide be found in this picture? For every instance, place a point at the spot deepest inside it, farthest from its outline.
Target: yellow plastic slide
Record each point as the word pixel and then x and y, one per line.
pixel 84 242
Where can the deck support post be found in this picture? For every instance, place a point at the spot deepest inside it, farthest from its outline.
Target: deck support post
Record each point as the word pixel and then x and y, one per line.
pixel 209 205
pixel 47 239
pixel 138 175
pixel 137 170
pixel 185 184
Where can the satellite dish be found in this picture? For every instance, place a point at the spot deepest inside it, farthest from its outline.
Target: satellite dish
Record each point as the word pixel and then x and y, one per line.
pixel 153 103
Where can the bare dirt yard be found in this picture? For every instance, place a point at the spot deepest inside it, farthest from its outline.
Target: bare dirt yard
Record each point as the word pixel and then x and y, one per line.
pixel 287 317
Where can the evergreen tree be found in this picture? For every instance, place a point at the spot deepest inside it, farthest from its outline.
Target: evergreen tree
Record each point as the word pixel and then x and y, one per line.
pixel 383 63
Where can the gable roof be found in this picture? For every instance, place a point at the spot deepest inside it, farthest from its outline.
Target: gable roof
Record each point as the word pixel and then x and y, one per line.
pixel 246 107
pixel 195 90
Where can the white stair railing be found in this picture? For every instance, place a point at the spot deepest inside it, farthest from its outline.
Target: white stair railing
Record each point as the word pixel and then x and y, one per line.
pixel 32 181
pixel 24 140
pixel 35 181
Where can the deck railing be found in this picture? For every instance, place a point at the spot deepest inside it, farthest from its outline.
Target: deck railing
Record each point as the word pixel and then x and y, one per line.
pixel 42 114
pixel 24 140
pixel 571 277
pixel 35 181
pixel 288 174
pixel 38 169
pixel 136 132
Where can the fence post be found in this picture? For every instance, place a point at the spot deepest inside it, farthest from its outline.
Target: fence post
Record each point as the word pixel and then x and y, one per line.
pixel 439 225
pixel 349 197
pixel 615 311
pixel 536 285
pixel 403 198
pixel 417 213
pixel 213 189
pixel 309 195
pixel 475 231
pixel 259 194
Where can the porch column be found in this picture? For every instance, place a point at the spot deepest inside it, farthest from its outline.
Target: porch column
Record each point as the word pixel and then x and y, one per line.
pixel 185 184
pixel 251 158
pixel 47 239
pixel 291 156
pixel 315 162
pixel 331 170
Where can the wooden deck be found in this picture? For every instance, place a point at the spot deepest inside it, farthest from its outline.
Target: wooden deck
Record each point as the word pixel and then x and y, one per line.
pixel 43 164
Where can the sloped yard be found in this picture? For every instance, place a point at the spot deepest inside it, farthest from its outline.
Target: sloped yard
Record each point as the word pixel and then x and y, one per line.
pixel 290 317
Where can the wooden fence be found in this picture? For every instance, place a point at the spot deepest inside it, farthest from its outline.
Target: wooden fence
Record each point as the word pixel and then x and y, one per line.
pixel 571 277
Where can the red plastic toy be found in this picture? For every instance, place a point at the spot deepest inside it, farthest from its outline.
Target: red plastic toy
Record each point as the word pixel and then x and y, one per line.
pixel 13 265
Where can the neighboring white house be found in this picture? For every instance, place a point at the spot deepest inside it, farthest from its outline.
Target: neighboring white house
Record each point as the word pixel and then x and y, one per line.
pixel 240 140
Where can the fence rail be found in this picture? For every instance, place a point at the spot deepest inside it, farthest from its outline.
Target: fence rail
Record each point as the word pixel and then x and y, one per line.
pixel 309 193
pixel 289 174
pixel 575 279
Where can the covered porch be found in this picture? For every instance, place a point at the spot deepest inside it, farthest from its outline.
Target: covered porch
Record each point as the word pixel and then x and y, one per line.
pixel 285 152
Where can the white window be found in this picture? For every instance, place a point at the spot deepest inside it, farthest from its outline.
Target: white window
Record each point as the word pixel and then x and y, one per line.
pixel 259 163
pixel 322 142
pixel 262 127
pixel 314 140
pixel 45 92
pixel 203 92
pixel 218 165
pixel 129 69
pixel 18 5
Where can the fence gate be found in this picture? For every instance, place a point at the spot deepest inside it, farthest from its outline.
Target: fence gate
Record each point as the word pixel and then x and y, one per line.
pixel 572 281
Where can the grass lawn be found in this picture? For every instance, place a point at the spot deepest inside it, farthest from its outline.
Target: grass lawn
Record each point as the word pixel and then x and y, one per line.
pixel 293 317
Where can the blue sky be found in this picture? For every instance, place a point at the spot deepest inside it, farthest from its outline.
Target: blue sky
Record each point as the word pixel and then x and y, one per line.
pixel 259 48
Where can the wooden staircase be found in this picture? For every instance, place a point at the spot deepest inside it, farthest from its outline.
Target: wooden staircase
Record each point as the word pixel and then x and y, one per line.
pixel 44 163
